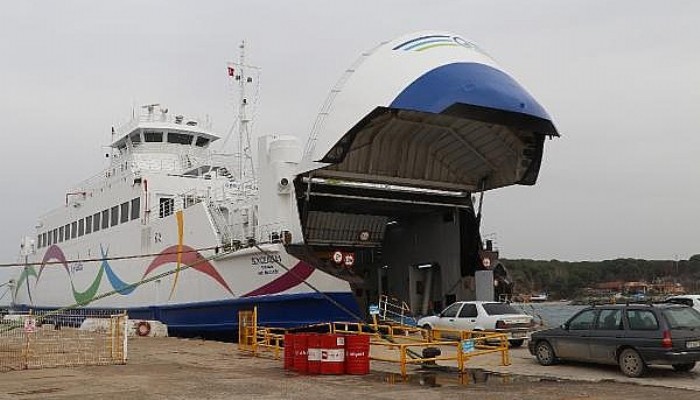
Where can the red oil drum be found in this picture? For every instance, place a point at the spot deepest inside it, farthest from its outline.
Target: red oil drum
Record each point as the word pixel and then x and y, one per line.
pixel 288 351
pixel 301 363
pixel 357 354
pixel 332 354
pixel 314 353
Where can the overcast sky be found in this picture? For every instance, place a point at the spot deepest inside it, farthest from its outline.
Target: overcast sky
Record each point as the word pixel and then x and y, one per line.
pixel 621 80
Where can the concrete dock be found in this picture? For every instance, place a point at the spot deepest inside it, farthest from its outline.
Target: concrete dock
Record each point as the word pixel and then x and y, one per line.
pixel 172 368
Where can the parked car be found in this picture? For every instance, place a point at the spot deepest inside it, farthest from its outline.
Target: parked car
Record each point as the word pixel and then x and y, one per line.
pixel 482 316
pixel 632 336
pixel 692 300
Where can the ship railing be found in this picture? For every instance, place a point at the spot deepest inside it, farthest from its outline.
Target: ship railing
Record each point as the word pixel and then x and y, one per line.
pixel 238 235
pixel 220 222
pixel 160 117
pixel 394 310
pixel 272 233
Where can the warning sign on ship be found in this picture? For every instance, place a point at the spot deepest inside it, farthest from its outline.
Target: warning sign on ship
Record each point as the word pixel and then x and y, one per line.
pixel 364 236
pixel 337 257
pixel 349 260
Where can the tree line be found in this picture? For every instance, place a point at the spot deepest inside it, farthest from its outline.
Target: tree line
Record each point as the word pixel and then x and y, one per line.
pixel 567 279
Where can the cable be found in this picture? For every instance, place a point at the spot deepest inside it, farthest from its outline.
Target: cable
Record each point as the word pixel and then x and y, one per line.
pixel 17 324
pixel 329 298
pixel 412 353
pixel 130 257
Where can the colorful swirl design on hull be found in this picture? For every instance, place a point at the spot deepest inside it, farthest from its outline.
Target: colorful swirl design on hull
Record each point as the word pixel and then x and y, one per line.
pixel 169 255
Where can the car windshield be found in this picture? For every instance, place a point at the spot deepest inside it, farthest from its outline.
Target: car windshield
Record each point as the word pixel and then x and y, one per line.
pixel 499 309
pixel 682 318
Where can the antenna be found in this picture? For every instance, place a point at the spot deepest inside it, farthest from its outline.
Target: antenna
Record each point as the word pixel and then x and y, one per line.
pixel 241 73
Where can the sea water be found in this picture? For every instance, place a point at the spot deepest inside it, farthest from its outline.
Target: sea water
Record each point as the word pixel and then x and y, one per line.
pixel 549 314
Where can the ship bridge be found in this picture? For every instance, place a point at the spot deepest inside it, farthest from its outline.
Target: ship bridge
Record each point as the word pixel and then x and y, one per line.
pixel 157 140
pixel 155 126
pixel 411 131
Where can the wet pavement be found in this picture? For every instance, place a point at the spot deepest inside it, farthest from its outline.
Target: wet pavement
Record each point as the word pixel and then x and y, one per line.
pixel 523 364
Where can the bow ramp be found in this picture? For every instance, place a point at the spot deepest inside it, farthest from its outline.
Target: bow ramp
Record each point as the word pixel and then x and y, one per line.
pixel 430 110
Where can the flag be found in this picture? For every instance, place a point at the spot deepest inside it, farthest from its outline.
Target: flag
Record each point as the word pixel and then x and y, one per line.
pixel 231 71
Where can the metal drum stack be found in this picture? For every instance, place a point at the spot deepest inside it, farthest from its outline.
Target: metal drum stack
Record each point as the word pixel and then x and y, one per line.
pixel 332 354
pixel 326 354
pixel 301 353
pixel 314 354
pixel 357 354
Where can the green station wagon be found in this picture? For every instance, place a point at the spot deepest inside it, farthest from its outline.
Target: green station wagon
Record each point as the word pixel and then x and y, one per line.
pixel 632 336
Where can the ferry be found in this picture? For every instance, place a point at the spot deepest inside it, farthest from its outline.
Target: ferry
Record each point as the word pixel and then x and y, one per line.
pixel 384 199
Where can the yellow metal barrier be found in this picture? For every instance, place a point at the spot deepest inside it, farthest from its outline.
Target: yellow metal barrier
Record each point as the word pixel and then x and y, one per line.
pixel 476 344
pixel 247 330
pixel 254 339
pixel 407 340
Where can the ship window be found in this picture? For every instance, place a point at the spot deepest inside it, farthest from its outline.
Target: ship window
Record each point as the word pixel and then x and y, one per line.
pixel 73 229
pixel 60 234
pixel 124 212
pixel 43 239
pixel 180 138
pixel 135 208
pixel 81 227
pixel 38 240
pixel 49 236
pixel 96 222
pixel 166 206
pixel 66 232
pixel 135 137
pixel 201 141
pixel 55 236
pixel 153 136
pixel 105 219
pixel 115 216
pixel 88 224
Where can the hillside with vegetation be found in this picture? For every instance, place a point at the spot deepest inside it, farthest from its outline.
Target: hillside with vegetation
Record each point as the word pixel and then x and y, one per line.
pixel 568 280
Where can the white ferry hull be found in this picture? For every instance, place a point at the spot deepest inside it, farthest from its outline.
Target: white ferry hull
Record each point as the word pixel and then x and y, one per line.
pixel 202 290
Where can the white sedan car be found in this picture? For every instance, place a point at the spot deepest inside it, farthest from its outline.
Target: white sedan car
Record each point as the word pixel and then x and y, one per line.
pixel 692 300
pixel 482 316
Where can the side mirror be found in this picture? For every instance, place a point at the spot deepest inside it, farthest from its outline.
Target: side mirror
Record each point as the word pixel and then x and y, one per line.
pixel 564 326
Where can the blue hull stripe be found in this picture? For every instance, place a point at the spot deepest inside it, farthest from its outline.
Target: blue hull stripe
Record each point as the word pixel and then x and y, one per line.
pixel 467 83
pixel 285 311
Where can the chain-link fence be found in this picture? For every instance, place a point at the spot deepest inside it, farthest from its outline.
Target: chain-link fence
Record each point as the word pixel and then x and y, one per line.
pixel 41 339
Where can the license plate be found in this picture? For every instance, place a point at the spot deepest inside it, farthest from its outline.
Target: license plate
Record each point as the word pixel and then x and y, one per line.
pixel 517 335
pixel 692 344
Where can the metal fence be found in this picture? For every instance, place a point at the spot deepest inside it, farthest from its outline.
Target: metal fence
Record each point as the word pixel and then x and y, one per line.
pixel 41 339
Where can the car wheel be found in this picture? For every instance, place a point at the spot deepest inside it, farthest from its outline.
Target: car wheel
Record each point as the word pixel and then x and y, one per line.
pixel 544 353
pixel 631 363
pixel 516 343
pixel 685 367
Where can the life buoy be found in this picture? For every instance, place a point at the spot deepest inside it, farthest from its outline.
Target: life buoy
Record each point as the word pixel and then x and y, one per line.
pixel 143 328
